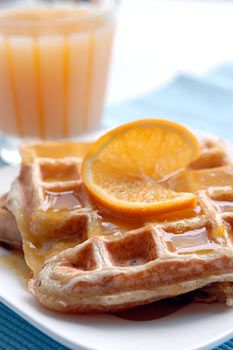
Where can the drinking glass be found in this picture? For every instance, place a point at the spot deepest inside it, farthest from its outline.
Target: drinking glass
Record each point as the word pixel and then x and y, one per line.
pixel 54 64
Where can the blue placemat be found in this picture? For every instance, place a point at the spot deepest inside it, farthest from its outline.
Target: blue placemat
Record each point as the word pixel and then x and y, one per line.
pixel 205 103
pixel 201 102
pixel 17 334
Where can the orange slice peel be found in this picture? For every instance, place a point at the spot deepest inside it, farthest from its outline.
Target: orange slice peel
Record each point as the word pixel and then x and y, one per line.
pixel 125 169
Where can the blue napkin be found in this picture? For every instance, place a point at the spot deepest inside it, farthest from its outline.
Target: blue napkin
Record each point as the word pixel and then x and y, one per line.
pixel 201 102
pixel 17 334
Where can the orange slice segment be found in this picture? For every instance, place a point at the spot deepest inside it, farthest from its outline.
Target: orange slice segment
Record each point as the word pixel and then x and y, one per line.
pixel 124 170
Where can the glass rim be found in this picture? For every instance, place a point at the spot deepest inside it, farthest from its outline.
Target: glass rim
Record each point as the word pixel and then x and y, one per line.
pixel 102 11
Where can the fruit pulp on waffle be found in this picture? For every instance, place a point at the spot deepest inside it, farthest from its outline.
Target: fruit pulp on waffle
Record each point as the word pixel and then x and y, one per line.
pixel 65 215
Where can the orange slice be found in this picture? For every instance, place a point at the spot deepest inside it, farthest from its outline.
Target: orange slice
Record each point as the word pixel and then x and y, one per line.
pixel 125 169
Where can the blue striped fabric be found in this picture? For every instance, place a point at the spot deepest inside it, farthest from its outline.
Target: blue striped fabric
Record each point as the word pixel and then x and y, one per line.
pixel 226 346
pixel 205 103
pixel 198 102
pixel 17 334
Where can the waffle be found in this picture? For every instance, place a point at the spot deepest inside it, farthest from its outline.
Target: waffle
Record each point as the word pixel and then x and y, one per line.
pixel 9 232
pixel 86 260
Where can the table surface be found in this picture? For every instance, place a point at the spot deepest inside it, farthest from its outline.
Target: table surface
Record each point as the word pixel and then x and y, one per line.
pixel 157 39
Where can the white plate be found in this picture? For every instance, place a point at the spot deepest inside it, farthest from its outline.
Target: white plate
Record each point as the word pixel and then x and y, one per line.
pixel 195 326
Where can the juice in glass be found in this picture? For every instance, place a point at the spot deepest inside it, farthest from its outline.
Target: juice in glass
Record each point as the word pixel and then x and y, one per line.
pixel 54 62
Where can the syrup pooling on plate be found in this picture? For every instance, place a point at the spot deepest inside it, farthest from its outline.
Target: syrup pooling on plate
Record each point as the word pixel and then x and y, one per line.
pixel 16 263
pixel 156 310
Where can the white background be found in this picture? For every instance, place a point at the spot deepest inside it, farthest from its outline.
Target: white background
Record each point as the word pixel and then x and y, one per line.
pixel 157 39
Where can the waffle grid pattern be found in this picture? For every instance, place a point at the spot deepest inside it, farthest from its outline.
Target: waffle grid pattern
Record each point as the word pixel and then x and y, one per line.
pixel 62 177
pixel 190 251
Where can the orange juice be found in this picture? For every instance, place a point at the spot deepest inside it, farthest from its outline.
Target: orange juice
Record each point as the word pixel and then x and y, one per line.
pixel 54 62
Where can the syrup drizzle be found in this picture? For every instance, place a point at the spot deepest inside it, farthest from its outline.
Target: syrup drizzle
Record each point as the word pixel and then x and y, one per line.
pixel 15 262
pixel 190 241
pixel 66 200
pixel 156 310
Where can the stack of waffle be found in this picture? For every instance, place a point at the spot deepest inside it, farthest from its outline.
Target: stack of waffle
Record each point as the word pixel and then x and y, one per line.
pixel 85 259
